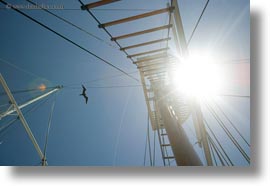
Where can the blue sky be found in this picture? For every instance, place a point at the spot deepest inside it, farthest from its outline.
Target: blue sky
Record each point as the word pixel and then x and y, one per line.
pixel 88 134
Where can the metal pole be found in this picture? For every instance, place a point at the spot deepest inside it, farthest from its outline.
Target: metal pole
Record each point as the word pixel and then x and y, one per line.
pixel 197 114
pixel 29 102
pixel 20 114
pixel 201 131
pixel 183 151
pixel 179 28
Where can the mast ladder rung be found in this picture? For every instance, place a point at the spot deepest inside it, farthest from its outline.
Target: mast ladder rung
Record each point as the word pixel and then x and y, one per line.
pixel 169 157
pixel 165 145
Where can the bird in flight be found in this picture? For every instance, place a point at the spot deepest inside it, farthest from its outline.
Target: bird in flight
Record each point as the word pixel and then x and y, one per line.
pixel 84 94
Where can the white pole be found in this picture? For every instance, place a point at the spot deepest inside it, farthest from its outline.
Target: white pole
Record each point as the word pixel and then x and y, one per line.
pixel 10 111
pixel 20 114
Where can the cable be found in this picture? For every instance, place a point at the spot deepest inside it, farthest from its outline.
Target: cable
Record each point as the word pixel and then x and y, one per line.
pixel 238 96
pixel 232 124
pixel 149 141
pixel 100 79
pixel 220 156
pixel 25 114
pixel 95 18
pixel 154 149
pixel 23 91
pixel 212 152
pixel 145 150
pixel 44 159
pixel 5 127
pixel 72 42
pixel 123 9
pixel 121 126
pixel 246 157
pixel 72 24
pixel 100 9
pixel 116 86
pixel 205 6
pixel 19 68
pixel 220 146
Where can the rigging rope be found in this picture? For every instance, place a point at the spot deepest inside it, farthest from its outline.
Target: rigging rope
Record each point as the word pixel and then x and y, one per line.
pixel 222 125
pixel 149 141
pixel 220 156
pixel 239 96
pixel 212 152
pixel 100 79
pixel 145 150
pixel 205 6
pixel 69 40
pixel 44 159
pixel 116 86
pixel 95 18
pixel 220 146
pixel 19 68
pixel 27 90
pixel 121 126
pixel 7 126
pixel 154 149
pixel 232 124
pixel 72 24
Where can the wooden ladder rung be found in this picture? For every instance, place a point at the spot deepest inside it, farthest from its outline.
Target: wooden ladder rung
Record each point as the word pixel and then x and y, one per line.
pixel 132 18
pixel 169 157
pixel 165 145
pixel 97 4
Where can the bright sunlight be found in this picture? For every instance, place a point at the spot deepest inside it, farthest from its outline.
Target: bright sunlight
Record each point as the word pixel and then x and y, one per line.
pixel 198 76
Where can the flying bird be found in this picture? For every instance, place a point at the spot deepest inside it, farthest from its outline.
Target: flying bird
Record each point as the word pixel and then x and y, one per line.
pixel 84 94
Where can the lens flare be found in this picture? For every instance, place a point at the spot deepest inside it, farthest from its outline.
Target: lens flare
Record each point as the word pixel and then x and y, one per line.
pixel 42 87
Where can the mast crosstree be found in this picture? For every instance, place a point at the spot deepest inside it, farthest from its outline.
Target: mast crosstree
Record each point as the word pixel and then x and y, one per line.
pixel 16 108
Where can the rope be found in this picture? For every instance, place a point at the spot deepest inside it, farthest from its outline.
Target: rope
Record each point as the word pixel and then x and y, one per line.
pixel 19 68
pixel 205 6
pixel 44 159
pixel 95 18
pixel 24 91
pixel 72 24
pixel 7 126
pixel 228 134
pixel 220 146
pixel 238 96
pixel 69 40
pixel 219 154
pixel 149 141
pixel 232 124
pixel 212 152
pixel 120 127
pixel 145 150
pixel 100 79
pixel 154 149
pixel 115 86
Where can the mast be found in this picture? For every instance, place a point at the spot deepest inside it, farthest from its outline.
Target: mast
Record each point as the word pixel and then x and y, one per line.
pixel 12 110
pixel 16 108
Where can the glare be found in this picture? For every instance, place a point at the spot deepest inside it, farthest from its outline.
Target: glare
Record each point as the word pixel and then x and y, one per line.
pixel 198 76
pixel 42 87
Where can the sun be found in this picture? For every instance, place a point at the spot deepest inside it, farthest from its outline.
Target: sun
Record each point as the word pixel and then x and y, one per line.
pixel 198 76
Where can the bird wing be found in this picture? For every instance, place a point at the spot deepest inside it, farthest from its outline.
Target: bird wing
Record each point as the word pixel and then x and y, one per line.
pixel 84 89
pixel 86 99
